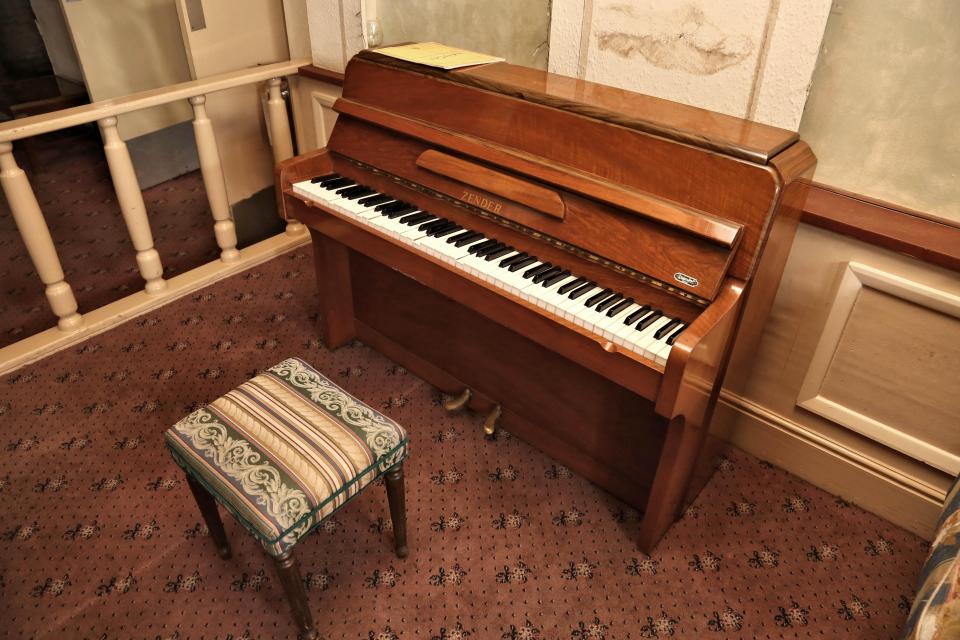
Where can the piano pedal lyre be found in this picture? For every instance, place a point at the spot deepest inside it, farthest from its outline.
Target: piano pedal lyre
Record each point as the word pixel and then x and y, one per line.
pixel 453 404
pixel 490 424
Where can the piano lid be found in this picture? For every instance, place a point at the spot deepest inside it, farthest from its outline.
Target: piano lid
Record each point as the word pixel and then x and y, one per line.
pixel 672 120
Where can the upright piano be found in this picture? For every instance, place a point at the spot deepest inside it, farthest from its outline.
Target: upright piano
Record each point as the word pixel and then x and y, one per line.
pixel 571 258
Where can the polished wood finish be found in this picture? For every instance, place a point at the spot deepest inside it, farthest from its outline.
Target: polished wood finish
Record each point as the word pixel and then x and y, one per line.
pixel 627 190
pixel 289 573
pixel 495 182
pixel 884 225
pixel 211 516
pixel 698 223
pixel 336 293
pixel 691 125
pixel 321 74
pixel 393 479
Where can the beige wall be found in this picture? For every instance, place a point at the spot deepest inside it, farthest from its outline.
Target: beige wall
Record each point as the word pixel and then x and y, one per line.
pixel 130 46
pixel 516 31
pixel 884 108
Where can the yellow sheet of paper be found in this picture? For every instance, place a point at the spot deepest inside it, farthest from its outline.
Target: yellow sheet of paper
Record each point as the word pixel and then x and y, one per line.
pixel 434 54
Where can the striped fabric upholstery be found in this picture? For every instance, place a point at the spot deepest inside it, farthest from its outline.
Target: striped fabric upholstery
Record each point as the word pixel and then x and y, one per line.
pixel 286 449
pixel 935 614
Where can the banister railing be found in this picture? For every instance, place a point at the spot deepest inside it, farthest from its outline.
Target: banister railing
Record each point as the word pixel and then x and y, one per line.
pixel 29 217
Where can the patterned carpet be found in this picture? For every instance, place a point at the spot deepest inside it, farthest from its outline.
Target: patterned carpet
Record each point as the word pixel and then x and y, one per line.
pixel 100 537
pixel 69 175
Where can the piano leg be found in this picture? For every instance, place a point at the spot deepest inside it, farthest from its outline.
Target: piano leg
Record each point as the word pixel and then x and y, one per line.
pixel 335 293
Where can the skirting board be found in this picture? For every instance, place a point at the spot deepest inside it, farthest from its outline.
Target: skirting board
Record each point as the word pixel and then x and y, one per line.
pixel 869 484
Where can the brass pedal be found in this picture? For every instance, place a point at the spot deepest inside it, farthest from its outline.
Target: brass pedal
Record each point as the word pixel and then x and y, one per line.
pixel 457 403
pixel 490 424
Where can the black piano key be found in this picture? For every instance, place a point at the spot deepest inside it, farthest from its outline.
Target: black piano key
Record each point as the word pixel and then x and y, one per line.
pixel 570 286
pixel 375 199
pixel 540 268
pixel 636 315
pixel 382 208
pixel 609 302
pixel 445 231
pixel 483 253
pixel 346 191
pixel 676 333
pixel 329 176
pixel 517 257
pixel 399 213
pixel 415 218
pixel 620 306
pixel 493 255
pixel 338 183
pixel 598 297
pixel 480 246
pixel 540 277
pixel 665 329
pixel 427 227
pixel 649 320
pixel 520 264
pixel 464 238
pixel 582 289
pixel 555 278
pixel 359 193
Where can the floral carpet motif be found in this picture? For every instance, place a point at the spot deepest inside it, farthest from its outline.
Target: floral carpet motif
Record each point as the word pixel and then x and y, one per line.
pixel 100 538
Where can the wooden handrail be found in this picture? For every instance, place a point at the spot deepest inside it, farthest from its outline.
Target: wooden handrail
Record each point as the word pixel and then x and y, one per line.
pixel 54 121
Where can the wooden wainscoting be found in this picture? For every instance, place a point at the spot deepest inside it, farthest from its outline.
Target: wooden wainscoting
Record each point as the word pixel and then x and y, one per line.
pixel 853 383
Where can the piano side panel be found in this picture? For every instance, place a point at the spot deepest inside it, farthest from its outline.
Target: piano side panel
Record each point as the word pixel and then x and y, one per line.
pixel 595 427
pixel 727 187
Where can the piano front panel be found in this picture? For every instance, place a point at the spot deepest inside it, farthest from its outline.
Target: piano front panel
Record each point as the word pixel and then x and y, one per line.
pixel 727 187
pixel 599 429
pixel 616 235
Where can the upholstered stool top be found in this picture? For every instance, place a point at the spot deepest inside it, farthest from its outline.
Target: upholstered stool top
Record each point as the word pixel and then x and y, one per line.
pixel 286 449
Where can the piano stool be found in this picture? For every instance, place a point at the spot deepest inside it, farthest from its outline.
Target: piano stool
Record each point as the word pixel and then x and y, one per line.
pixel 282 452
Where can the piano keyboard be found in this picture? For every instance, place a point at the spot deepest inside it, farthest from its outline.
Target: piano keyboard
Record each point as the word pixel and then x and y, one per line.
pixel 631 325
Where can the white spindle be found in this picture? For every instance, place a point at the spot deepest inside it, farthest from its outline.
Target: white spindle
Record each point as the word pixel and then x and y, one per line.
pixel 282 143
pixel 131 205
pixel 213 181
pixel 36 236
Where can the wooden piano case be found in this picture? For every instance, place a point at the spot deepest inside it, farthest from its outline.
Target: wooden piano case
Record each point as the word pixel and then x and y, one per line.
pixel 632 426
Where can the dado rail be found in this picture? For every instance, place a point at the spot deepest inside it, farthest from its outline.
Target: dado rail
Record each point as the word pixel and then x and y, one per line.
pixel 73 326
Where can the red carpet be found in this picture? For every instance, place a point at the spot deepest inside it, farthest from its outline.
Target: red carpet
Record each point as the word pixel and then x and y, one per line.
pixel 100 537
pixel 69 175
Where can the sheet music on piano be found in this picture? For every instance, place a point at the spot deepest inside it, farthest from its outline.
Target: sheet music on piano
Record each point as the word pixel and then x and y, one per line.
pixel 577 256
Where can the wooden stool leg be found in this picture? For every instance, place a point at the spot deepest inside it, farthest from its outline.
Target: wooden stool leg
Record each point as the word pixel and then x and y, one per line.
pixel 208 509
pixel 398 511
pixel 289 574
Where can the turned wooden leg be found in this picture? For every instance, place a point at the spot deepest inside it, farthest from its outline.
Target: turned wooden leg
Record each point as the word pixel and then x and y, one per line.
pixel 398 511
pixel 208 509
pixel 289 574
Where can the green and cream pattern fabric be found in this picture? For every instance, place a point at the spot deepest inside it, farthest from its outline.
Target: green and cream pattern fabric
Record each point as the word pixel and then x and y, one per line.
pixel 286 449
pixel 935 614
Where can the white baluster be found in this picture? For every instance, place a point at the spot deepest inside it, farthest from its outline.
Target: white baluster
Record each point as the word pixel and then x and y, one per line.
pixel 280 139
pixel 131 205
pixel 213 181
pixel 36 236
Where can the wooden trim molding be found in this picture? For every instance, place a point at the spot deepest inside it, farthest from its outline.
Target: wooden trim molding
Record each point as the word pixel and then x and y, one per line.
pixel 904 500
pixel 855 277
pixel 321 74
pixel 884 225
